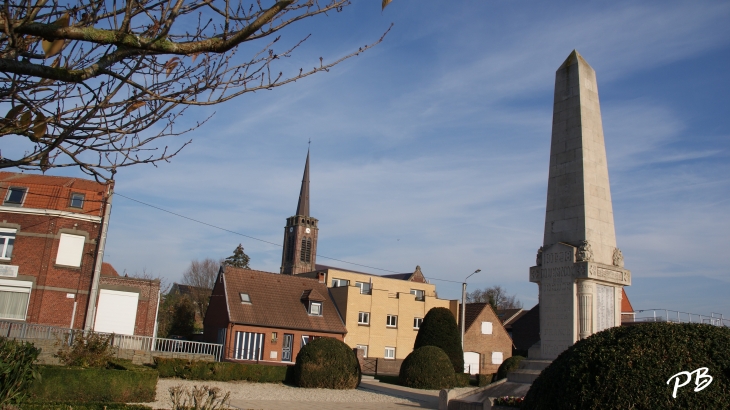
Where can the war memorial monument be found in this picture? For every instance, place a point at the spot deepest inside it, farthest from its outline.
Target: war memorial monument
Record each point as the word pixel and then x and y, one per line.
pixel 579 269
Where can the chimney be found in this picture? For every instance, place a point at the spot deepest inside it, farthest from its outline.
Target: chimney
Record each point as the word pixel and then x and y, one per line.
pixel 321 277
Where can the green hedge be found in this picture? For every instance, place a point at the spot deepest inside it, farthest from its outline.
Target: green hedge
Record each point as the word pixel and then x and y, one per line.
pixel 439 329
pixel 630 367
pixel 427 367
pixel 326 363
pixel 512 363
pixel 60 384
pixel 81 406
pixel 462 379
pixel 485 379
pixel 219 371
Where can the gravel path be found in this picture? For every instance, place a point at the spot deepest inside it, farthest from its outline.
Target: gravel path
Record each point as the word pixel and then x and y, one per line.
pixel 270 391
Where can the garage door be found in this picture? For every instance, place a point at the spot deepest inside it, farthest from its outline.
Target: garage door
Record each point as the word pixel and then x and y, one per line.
pixel 471 362
pixel 117 312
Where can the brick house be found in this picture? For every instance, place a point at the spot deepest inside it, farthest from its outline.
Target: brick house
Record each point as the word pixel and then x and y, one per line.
pixel 486 342
pixel 139 320
pixel 268 317
pixel 52 234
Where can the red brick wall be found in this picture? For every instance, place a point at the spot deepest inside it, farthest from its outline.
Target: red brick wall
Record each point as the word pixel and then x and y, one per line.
pixel 147 302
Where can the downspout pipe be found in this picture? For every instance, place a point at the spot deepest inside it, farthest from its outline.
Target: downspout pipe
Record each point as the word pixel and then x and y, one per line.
pixel 94 292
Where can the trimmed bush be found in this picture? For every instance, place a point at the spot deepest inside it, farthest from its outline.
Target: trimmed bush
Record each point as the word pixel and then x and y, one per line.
pixel 17 370
pixel 508 365
pixel 326 363
pixel 219 371
pixel 427 367
pixel 59 384
pixel 462 379
pixel 82 406
pixel 439 329
pixel 629 367
pixel 485 379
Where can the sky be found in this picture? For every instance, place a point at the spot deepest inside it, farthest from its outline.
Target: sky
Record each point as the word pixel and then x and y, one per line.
pixel 432 149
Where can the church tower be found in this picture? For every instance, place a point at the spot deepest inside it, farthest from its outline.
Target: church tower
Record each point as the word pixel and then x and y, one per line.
pixel 300 234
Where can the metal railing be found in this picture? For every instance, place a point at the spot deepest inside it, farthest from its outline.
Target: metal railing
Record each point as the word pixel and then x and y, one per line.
pixel 673 316
pixel 21 330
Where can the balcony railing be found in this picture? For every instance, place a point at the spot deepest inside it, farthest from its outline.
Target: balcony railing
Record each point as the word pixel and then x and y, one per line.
pixel 21 330
pixel 673 316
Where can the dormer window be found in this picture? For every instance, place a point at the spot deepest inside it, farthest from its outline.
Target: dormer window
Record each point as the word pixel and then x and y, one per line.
pixel 315 308
pixel 15 196
pixel 245 298
pixel 77 200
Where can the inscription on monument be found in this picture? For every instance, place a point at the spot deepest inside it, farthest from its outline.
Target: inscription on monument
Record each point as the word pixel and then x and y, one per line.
pixel 605 298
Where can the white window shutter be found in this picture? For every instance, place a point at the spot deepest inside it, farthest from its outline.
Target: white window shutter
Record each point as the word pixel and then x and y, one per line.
pixel 486 328
pixel 70 250
pixel 496 357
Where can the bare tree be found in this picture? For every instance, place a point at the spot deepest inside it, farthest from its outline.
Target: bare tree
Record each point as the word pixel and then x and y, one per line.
pixel 94 84
pixel 201 275
pixel 495 296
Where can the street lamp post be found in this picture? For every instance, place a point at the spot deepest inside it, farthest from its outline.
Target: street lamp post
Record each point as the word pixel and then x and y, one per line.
pixel 463 306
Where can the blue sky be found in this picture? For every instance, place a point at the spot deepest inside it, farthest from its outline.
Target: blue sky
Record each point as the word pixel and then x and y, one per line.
pixel 432 149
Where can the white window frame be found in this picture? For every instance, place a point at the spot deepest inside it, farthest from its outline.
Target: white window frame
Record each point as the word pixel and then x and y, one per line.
pixel 364 348
pixel 419 294
pixel 363 318
pixel 74 195
pixel 417 322
pixel 389 353
pixel 245 298
pixel 487 328
pixel 16 286
pixel 338 283
pixel 365 288
pixel 391 318
pixel 312 312
pixel 6 235
pixel 22 199
pixel 497 357
pixel 70 250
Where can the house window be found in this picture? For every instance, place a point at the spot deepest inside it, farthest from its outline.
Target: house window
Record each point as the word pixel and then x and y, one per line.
pixel 336 283
pixel 364 287
pixel 496 357
pixel 15 196
pixel 70 250
pixel 221 335
pixel 391 321
pixel 364 349
pixel 420 295
pixel 77 200
pixel 315 308
pixel 248 346
pixel 306 339
pixel 390 352
pixel 245 298
pixel 14 297
pixel 274 337
pixel 486 328
pixel 7 239
pixel 417 321
pixel 363 318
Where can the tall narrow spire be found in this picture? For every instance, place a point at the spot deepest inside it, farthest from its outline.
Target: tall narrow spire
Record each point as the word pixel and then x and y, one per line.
pixel 303 206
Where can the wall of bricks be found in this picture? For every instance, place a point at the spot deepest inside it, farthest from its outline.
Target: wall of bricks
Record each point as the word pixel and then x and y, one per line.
pixel 149 293
pixel 486 344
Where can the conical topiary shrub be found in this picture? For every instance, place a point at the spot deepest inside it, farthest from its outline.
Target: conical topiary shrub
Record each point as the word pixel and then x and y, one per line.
pixel 439 329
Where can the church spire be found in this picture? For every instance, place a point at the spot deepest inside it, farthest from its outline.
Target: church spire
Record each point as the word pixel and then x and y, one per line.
pixel 303 206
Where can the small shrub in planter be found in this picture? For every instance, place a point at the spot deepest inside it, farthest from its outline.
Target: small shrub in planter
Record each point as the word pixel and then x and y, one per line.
pixel 630 367
pixel 509 401
pixel 326 363
pixel 508 365
pixel 427 367
pixel 439 329
pixel 17 371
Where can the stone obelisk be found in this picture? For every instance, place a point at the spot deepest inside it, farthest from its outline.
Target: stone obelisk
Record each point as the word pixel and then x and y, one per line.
pixel 579 269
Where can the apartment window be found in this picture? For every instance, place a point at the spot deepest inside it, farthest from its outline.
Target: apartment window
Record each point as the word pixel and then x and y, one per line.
pixel 15 196
pixel 363 318
pixel 391 321
pixel 364 349
pixel 245 298
pixel 417 321
pixel 14 297
pixel 390 352
pixel 7 239
pixel 420 295
pixel 315 308
pixel 364 287
pixel 336 283
pixel 70 250
pixel 77 200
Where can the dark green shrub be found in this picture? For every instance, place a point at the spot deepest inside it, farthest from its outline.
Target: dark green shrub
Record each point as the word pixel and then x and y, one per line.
pixel 90 350
pixel 508 365
pixel 462 379
pixel 439 329
pixel 219 371
pixel 427 367
pixel 629 367
pixel 485 379
pixel 17 370
pixel 58 384
pixel 82 406
pixel 326 363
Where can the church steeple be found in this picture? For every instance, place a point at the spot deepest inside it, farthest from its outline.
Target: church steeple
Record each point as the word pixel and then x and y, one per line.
pixel 300 234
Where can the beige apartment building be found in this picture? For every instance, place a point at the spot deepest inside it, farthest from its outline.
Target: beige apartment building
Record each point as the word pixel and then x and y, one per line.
pixel 382 314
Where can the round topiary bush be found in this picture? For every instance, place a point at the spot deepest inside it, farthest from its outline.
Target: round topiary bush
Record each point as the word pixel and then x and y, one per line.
pixel 633 367
pixel 427 367
pixel 508 365
pixel 326 363
pixel 439 329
